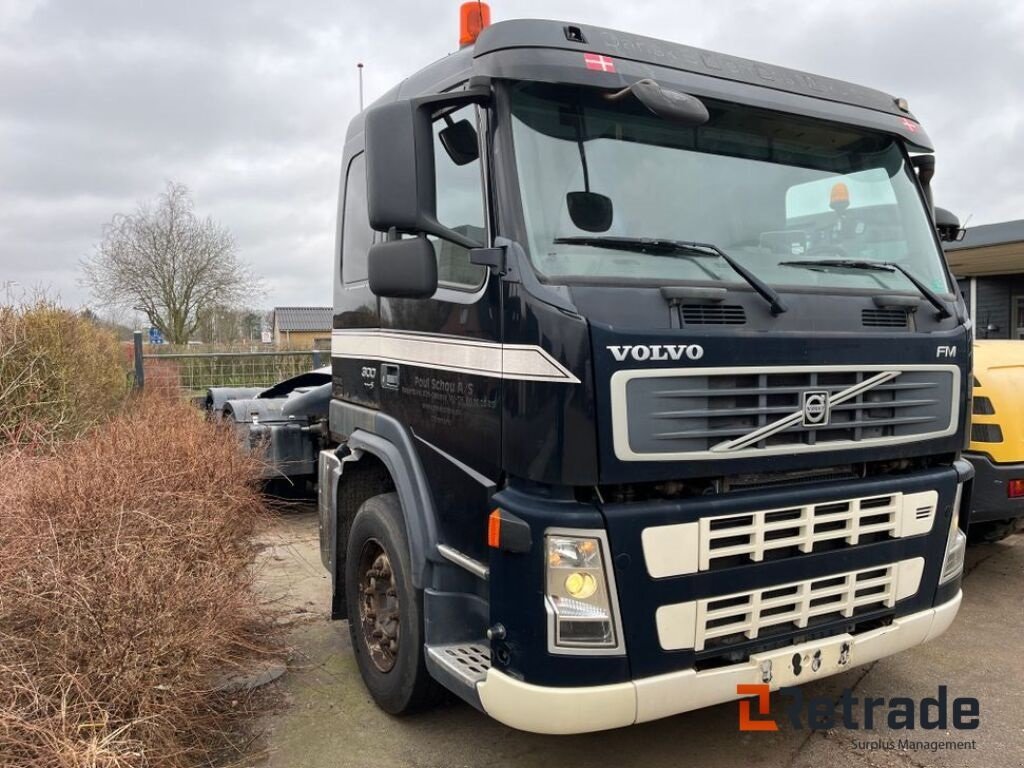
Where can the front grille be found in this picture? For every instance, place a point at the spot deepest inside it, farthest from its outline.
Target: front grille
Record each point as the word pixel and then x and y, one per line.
pixel 712 314
pixel 772 611
pixel 732 539
pixel 884 318
pixel 794 606
pixel 721 413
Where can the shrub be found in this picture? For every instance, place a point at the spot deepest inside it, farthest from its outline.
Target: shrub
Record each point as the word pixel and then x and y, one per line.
pixel 60 373
pixel 125 594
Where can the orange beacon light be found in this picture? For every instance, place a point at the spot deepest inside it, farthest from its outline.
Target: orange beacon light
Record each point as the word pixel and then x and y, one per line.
pixel 473 17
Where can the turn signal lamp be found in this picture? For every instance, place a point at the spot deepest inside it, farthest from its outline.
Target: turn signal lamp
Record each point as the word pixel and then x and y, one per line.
pixel 474 17
pixel 839 197
pixel 1015 489
pixel 494 529
pixel 956 543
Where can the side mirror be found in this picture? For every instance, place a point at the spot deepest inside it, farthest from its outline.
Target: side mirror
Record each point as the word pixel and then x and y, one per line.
pixel 460 142
pixel 400 183
pixel 403 269
pixel 948 226
pixel 590 211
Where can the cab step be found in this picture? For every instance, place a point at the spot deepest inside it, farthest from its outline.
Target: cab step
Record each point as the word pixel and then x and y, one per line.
pixel 459 667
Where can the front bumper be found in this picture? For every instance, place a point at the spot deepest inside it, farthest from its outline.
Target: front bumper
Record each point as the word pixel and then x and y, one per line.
pixel 557 710
pixel 989 500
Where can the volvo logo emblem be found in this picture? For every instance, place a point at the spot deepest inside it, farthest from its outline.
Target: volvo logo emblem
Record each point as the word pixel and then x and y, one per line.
pixel 815 406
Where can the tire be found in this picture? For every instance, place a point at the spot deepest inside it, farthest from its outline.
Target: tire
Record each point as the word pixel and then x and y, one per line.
pixel 991 531
pixel 387 642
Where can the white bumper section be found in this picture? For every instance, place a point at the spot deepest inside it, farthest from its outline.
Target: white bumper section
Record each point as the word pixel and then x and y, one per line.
pixel 551 710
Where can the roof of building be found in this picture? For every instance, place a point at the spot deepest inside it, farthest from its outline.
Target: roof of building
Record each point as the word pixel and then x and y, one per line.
pixel 988 249
pixel 991 234
pixel 303 318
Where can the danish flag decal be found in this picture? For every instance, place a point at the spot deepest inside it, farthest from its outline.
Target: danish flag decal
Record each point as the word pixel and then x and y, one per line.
pixel 599 62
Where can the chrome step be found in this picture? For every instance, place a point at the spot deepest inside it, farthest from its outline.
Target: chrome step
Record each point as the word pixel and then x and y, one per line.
pixel 468 662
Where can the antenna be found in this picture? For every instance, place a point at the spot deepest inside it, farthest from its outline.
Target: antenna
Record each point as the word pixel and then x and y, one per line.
pixel 359 66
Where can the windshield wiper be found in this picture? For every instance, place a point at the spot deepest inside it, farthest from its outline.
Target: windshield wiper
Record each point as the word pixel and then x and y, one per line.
pixel 662 247
pixel 874 266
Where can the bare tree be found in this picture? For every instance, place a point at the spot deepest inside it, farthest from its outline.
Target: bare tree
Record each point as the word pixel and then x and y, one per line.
pixel 165 261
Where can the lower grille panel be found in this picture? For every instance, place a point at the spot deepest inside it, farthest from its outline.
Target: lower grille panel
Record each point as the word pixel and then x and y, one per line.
pixel 786 607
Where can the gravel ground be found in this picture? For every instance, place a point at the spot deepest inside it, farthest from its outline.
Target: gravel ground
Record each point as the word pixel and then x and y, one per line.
pixel 326 717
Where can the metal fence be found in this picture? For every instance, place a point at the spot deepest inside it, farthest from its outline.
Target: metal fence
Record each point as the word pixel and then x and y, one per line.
pixel 195 372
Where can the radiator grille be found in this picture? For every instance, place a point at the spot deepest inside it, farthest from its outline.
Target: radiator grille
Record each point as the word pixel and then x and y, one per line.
pixel 796 605
pixel 776 533
pixel 753 535
pixel 884 318
pixel 733 412
pixel 712 314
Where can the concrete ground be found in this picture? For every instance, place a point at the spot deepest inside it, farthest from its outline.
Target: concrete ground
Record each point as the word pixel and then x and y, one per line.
pixel 326 718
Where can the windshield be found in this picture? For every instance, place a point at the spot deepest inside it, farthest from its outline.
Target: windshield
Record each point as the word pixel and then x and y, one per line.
pixel 764 187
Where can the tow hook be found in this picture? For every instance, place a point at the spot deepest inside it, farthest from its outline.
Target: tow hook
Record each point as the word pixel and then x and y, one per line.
pixel 766 671
pixel 844 654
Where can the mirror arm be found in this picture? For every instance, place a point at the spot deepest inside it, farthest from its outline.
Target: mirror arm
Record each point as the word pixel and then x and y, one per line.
pixel 438 229
pixel 493 258
pixel 925 166
pixel 475 94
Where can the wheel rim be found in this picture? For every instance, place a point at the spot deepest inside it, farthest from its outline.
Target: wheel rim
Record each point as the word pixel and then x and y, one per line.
pixel 378 605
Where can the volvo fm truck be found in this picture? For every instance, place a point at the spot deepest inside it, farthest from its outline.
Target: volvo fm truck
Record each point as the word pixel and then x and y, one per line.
pixel 649 381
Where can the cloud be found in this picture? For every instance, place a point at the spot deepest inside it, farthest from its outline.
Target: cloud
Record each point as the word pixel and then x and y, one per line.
pixel 247 102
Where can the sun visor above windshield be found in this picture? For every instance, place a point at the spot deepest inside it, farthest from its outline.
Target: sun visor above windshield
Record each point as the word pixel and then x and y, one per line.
pixel 550 65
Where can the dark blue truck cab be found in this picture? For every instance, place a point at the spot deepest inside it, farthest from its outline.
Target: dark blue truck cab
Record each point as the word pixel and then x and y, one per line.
pixel 649 381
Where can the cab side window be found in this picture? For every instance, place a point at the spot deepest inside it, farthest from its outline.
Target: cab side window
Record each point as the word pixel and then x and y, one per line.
pixel 356 234
pixel 460 206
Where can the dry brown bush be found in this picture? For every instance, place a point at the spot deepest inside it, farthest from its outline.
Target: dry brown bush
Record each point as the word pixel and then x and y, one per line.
pixel 60 373
pixel 163 378
pixel 125 594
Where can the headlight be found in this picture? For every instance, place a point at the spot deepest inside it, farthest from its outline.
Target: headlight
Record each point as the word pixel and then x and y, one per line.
pixel 580 595
pixel 956 543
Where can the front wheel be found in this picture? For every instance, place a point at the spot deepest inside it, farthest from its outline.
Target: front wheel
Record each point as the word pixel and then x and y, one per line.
pixel 385 610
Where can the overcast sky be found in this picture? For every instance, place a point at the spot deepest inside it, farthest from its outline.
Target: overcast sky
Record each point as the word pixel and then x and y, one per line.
pixel 247 101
